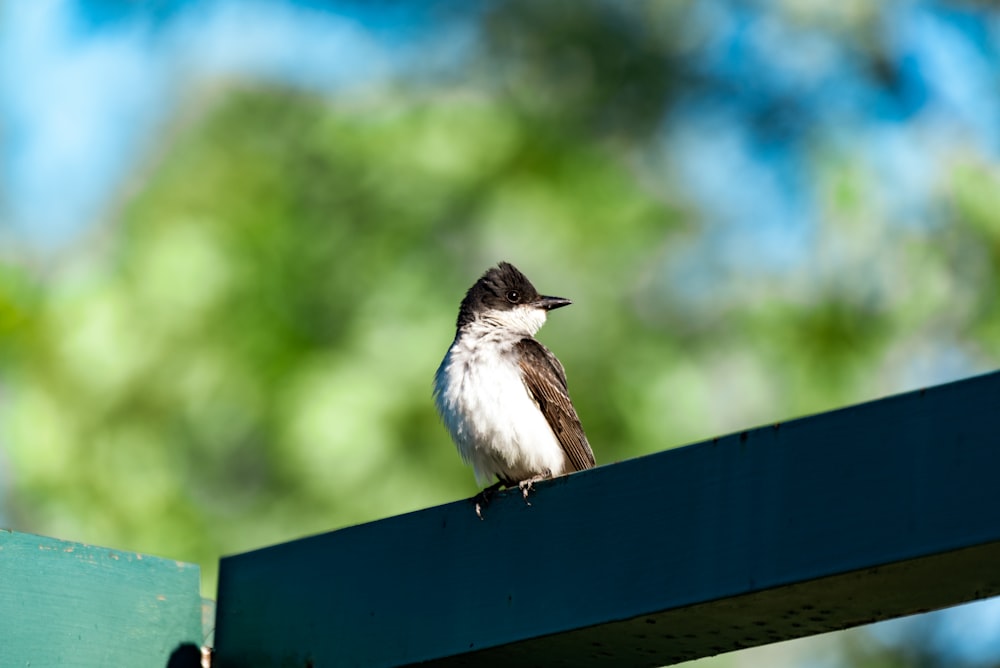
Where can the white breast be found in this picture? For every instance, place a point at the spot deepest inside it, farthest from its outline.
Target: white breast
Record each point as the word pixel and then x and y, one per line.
pixel 495 424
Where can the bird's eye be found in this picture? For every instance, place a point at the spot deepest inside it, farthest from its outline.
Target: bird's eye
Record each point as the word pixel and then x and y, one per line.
pixel 513 296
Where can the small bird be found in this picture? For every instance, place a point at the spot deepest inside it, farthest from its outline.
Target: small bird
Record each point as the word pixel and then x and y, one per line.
pixel 502 394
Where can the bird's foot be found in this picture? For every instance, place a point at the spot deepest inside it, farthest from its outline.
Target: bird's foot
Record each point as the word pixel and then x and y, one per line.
pixel 483 498
pixel 528 486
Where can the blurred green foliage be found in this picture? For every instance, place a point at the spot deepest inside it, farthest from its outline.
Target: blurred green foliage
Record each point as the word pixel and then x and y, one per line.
pixel 245 355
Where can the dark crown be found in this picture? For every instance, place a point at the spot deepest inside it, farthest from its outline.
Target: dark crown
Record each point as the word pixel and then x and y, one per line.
pixel 501 288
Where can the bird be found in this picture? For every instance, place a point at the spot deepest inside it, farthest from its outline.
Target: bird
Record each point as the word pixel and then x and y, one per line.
pixel 503 395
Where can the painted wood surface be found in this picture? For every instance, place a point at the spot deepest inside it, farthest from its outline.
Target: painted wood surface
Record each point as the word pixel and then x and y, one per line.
pixel 69 604
pixel 866 513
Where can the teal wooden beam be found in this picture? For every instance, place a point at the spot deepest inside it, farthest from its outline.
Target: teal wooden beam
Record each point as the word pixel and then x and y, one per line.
pixel 876 511
pixel 69 604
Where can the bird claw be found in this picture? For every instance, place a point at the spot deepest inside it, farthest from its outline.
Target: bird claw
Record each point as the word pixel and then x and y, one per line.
pixel 528 486
pixel 483 498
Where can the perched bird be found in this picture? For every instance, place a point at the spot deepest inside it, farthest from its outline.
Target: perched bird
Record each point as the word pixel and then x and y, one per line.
pixel 502 394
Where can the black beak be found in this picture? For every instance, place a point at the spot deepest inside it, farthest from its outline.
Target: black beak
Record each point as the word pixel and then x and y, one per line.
pixel 549 303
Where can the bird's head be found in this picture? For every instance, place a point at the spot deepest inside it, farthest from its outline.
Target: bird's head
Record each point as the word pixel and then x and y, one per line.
pixel 504 297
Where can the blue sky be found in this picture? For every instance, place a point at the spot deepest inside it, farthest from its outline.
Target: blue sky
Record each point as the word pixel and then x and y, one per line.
pixel 87 87
pixel 85 90
pixel 944 101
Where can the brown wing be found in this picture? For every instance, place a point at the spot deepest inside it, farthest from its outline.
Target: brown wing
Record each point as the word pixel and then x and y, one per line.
pixel 545 379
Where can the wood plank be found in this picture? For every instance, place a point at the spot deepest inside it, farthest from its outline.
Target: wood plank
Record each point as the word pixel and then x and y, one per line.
pixel 70 604
pixel 866 513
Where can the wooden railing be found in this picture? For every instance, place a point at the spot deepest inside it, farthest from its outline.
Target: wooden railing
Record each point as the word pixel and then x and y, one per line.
pixel 881 510
pixel 862 514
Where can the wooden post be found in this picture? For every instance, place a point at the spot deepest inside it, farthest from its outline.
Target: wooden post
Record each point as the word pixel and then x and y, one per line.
pixel 69 604
pixel 880 510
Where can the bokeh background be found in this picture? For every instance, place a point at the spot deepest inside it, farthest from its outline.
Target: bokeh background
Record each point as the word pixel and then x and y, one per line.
pixel 234 236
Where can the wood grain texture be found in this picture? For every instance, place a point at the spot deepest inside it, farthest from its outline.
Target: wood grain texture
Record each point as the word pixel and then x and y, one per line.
pixel 69 604
pixel 866 513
